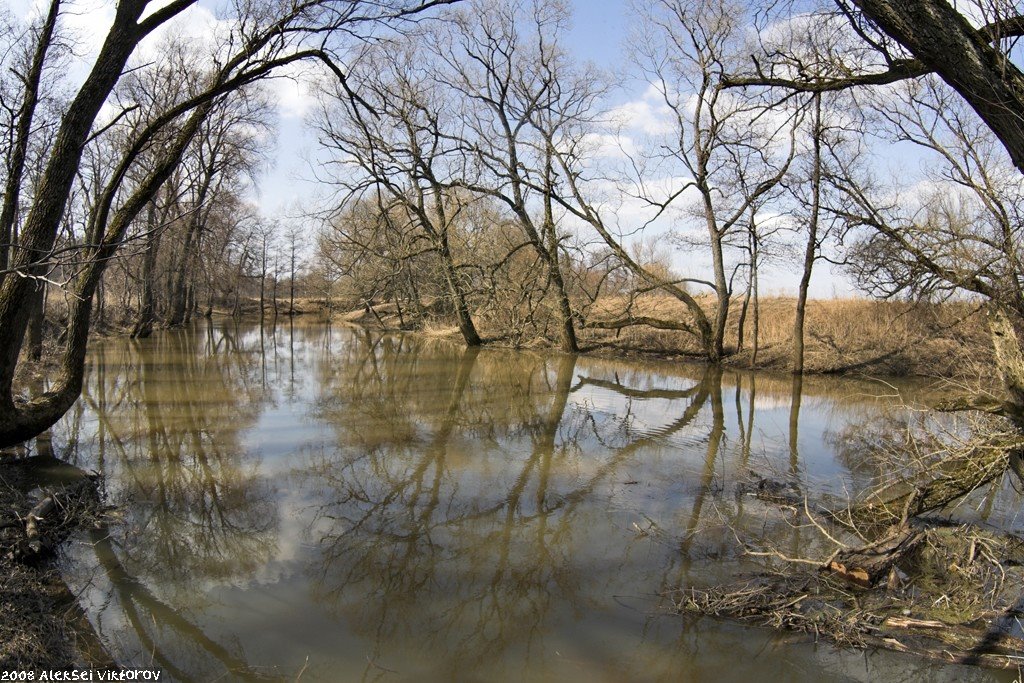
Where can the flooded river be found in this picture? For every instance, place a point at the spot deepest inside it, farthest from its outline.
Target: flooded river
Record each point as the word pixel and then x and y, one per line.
pixel 329 504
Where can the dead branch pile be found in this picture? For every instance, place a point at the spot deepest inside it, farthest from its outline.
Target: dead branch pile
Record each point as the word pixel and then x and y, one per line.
pixel 956 598
pixel 34 522
pixel 895 578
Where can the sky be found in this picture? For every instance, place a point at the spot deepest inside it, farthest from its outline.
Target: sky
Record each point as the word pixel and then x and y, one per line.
pixel 597 34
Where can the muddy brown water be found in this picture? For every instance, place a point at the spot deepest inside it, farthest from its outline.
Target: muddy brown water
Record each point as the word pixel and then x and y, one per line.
pixel 330 504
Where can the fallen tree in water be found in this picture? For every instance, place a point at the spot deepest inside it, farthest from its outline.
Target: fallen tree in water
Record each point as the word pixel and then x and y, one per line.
pixel 961 612
pixel 889 575
pixel 938 478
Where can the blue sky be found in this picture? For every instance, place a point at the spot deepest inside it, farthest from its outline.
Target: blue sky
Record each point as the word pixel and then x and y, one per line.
pixel 598 30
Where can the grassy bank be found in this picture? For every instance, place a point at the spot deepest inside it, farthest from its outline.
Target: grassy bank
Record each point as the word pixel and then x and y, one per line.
pixel 842 336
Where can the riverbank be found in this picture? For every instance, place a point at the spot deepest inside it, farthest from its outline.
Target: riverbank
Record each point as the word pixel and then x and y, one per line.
pixel 845 337
pixel 854 337
pixel 43 626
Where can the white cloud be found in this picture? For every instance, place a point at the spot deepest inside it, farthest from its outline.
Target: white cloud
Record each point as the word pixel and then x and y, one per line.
pixel 294 89
pixel 88 23
pixel 610 145
pixel 649 114
pixel 197 25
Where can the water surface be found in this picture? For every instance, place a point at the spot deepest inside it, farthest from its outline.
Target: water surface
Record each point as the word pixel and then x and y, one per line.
pixel 331 504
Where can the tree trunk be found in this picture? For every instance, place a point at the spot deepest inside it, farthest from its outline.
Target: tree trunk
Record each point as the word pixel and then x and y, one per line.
pixel 398 310
pixel 941 37
pixel 550 236
pixel 291 283
pixel 22 131
pixel 147 311
pixel 263 282
pixel 756 331
pixel 100 305
pixel 568 329
pixel 179 291
pixel 1009 363
pixel 37 304
pixel 811 249
pixel 465 320
pixel 190 248
pixel 742 320
pixel 273 293
pixel 414 295
pixel 716 349
pixel 796 396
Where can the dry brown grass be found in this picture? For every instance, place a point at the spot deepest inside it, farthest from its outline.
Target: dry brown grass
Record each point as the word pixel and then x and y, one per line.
pixel 842 335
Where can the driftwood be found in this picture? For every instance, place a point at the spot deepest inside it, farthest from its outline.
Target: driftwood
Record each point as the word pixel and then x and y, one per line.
pixel 36 515
pixel 43 501
pixel 962 598
pixel 784 493
pixel 869 565
pixel 47 522
pixel 951 478
pixel 819 606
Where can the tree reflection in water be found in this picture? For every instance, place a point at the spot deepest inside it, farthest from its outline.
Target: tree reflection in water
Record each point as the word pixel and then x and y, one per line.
pixel 457 506
pixel 169 414
pixel 430 510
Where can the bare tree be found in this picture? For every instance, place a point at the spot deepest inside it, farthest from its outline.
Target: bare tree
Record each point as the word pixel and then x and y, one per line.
pixel 260 42
pixel 401 158
pixel 496 56
pixel 731 152
pixel 970 48
pixel 959 233
pixel 226 149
